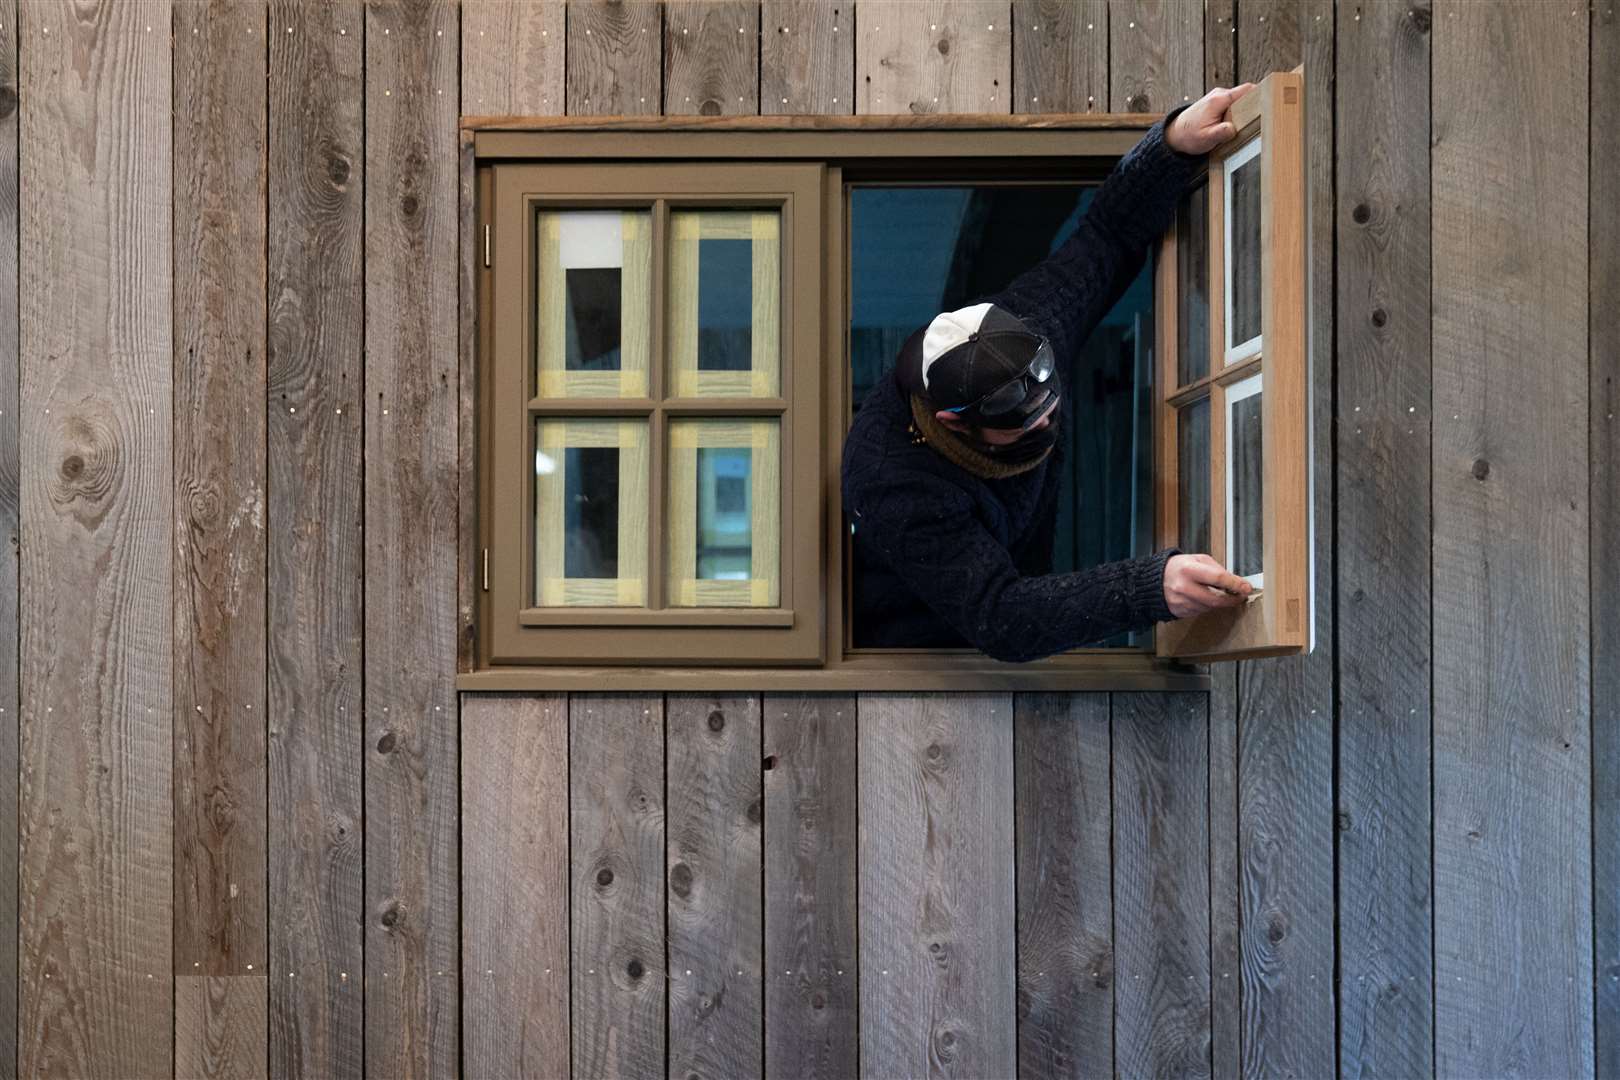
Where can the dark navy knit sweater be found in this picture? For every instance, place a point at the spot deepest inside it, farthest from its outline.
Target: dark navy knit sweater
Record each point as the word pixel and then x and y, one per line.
pixel 945 558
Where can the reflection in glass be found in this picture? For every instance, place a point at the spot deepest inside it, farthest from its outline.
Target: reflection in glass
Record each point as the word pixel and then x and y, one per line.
pixel 725 271
pixel 1193 477
pixel 1246 491
pixel 723 512
pixel 1192 287
pixel 590 512
pixel 1243 239
pixel 593 303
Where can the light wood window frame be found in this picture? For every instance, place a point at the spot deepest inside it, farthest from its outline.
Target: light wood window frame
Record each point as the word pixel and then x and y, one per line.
pixel 1279 619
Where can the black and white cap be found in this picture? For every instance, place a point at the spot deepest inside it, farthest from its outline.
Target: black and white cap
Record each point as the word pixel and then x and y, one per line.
pixel 982 363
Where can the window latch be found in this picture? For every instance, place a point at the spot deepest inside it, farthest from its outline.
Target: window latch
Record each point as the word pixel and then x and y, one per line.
pixel 486 569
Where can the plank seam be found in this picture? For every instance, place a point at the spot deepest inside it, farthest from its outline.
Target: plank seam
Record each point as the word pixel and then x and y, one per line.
pixel 364 683
pixel 1434 1033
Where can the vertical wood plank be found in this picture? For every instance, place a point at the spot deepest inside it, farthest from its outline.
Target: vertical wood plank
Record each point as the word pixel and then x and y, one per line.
pixel 933 56
pixel 412 398
pixel 512 57
pixel 711 58
pixel 1286 706
pixel 314 538
pixel 615 50
pixel 1063 821
pixel 937 905
pixel 10 538
pixel 1060 56
pixel 1604 243
pixel 221 1021
pixel 514 884
pixel 1161 884
pixel 1220 43
pixel 219 478
pixel 97 873
pixel 1225 885
pixel 811 1025
pixel 1512 646
pixel 807 57
pixel 616 846
pixel 1156 54
pixel 715 807
pixel 1381 224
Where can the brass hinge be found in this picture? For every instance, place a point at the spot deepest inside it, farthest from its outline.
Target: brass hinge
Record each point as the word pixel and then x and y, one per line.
pixel 486 245
pixel 486 569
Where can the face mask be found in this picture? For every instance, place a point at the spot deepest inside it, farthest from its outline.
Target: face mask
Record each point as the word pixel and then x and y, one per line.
pixel 1028 448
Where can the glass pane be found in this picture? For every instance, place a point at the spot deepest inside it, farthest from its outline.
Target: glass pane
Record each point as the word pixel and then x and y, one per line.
pixel 1192 287
pixel 724 509
pixel 1245 493
pixel 1192 464
pixel 725 274
pixel 590 502
pixel 593 319
pixel 1243 287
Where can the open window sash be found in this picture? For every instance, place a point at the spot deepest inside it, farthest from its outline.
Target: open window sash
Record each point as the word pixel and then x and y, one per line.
pixel 1232 395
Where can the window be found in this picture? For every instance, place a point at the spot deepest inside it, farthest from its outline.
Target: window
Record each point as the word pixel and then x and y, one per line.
pixel 675 327
pixel 1233 401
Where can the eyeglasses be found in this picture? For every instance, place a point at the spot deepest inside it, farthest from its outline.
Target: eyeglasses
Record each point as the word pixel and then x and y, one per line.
pixel 1010 395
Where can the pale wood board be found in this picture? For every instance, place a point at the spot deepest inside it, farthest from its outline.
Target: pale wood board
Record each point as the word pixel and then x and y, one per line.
pixel 412 397
pixel 616 857
pixel 514 885
pixel 1155 55
pixel 614 57
pixel 10 539
pixel 1382 233
pixel 1512 636
pixel 96 895
pixel 1060 56
pixel 715 809
pixel 807 57
pixel 314 523
pixel 221 1022
pixel 221 831
pixel 933 56
pixel 512 57
pixel 711 57
pixel 1063 819
pixel 1161 884
pixel 937 903
pixel 810 839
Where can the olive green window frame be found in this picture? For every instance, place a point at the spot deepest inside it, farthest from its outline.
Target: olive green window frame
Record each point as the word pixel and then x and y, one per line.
pixel 848 150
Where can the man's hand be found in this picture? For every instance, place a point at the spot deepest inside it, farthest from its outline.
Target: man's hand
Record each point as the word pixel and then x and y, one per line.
pixel 1203 125
pixel 1194 584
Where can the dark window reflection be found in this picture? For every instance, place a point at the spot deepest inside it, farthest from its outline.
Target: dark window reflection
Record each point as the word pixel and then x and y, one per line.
pixel 1193 480
pixel 594 298
pixel 725 305
pixel 1245 241
pixel 725 526
pixel 1247 488
pixel 1192 287
pixel 591 512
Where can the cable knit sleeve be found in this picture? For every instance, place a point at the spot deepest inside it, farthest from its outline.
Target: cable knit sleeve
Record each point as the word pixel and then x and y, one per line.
pixel 1068 292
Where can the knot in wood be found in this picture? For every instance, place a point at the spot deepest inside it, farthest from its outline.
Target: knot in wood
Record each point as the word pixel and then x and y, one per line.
pixel 604 878
pixel 1276 927
pixel 717 720
pixel 944 47
pixel 1482 468
pixel 1379 317
pixel 72 467
pixel 634 968
pixel 1138 103
pixel 1361 214
pixel 337 170
pixel 756 811
pixel 390 916
pixel 8 100
pixel 770 762
pixel 385 745
pixel 680 880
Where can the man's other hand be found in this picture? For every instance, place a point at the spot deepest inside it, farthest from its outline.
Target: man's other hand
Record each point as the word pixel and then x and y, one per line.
pixel 1204 124
pixel 1194 584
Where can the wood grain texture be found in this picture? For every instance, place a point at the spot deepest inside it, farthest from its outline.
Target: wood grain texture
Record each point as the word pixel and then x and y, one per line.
pixel 616 853
pixel 10 538
pixel 512 57
pixel 314 539
pixel 715 809
pixel 1063 821
pixel 1220 43
pixel 933 56
pixel 220 830
pixel 810 897
pixel 1512 645
pixel 514 885
pixel 615 50
pixel 221 1021
pixel 1156 54
pixel 1225 885
pixel 96 837
pixel 807 57
pixel 711 57
pixel 469 304
pixel 1286 706
pixel 412 398
pixel 1381 225
pixel 1161 884
pixel 1060 56
pixel 1604 244
pixel 937 905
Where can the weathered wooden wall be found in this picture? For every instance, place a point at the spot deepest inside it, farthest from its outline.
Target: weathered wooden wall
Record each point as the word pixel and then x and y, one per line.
pixel 247 827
